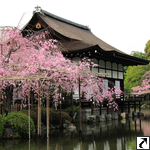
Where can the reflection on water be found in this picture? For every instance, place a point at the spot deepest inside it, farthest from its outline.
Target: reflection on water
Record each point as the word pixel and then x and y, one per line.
pixel 114 135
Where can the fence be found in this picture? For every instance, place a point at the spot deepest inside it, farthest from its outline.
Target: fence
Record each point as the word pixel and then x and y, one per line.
pixel 15 107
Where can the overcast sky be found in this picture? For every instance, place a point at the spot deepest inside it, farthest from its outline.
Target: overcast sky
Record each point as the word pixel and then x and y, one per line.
pixel 124 24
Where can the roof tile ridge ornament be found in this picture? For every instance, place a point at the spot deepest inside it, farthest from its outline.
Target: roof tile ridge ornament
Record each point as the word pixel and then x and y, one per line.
pixel 38 9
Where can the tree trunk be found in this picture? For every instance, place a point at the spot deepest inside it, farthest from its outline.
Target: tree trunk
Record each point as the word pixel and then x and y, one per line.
pixel 31 98
pixel 7 99
pixel 4 104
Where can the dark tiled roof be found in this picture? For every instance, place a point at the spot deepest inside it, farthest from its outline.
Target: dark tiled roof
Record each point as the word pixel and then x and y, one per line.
pixel 76 37
pixel 75 32
pixel 65 20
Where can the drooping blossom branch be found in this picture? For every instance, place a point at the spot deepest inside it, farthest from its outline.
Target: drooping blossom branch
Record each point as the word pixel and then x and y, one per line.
pixel 35 57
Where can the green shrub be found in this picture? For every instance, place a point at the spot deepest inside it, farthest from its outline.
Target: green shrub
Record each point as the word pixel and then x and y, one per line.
pixel 69 110
pixel 54 116
pixel 1 125
pixel 64 117
pixel 19 123
pixel 33 115
pixel 43 114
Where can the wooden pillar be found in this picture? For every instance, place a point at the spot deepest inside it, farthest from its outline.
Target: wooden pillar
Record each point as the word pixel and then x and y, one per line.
pixel 92 107
pixel 72 102
pixel 134 106
pixel 29 143
pixel 100 110
pixel 122 107
pixel 60 93
pixel 47 109
pixel 48 148
pixel 107 109
pixel 80 128
pixel 60 126
pixel 39 107
pixel 29 108
pixel 39 111
pixel 128 107
pixel 139 106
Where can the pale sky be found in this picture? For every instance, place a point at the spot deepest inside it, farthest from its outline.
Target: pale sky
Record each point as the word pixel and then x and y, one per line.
pixel 124 24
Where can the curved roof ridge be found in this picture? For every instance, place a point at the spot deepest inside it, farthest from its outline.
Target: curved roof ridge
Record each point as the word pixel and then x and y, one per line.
pixel 64 20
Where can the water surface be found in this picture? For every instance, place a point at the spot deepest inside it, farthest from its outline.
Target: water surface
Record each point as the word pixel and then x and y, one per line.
pixel 115 135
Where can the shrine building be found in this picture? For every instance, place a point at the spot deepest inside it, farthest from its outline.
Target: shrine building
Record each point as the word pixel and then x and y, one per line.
pixel 78 41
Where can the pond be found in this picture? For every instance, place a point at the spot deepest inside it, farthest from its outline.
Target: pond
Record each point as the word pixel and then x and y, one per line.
pixel 115 135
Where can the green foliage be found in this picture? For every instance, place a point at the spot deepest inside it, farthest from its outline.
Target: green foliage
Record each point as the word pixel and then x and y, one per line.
pixel 133 76
pixel 19 123
pixel 53 114
pixel 67 100
pixel 69 110
pixel 64 116
pixel 147 50
pixel 1 125
pixel 66 103
pixel 43 114
pixel 135 54
pixel 33 115
pixel 138 54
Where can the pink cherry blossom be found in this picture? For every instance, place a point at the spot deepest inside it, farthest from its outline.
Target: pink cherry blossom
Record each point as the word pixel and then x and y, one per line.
pixel 24 59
